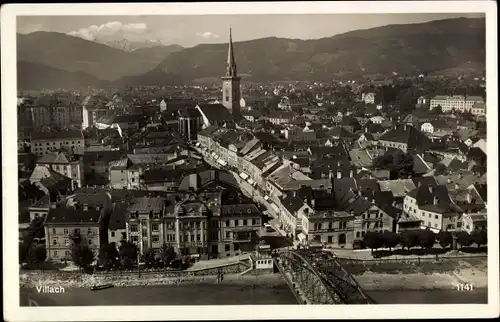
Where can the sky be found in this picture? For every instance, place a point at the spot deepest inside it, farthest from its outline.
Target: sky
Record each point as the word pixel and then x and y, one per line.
pixel 192 30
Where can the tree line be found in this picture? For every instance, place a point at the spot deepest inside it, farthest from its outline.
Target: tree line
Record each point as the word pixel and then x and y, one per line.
pixel 422 238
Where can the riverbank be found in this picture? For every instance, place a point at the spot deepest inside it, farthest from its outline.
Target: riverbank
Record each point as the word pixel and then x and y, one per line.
pixel 31 282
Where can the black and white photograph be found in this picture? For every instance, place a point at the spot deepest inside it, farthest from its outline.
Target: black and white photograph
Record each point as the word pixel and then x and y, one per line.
pixel 256 159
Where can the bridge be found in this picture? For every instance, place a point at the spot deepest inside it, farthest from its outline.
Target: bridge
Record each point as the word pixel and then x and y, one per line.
pixel 317 277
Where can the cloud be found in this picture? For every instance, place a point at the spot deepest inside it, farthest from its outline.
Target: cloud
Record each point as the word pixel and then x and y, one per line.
pixel 208 35
pixel 109 29
pixel 30 28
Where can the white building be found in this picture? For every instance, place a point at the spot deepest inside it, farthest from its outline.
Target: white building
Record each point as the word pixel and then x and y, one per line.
pixel 455 102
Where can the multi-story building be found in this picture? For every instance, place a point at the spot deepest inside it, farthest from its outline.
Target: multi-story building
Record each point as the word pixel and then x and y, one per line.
pixel 455 102
pixel 144 226
pixel 331 228
pixel 67 225
pixel 46 142
pixel 56 110
pixel 69 165
pixel 478 109
pixel 238 229
pixel 406 138
pixel 433 206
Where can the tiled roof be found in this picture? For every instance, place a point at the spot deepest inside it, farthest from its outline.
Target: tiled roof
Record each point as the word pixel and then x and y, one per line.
pixel 399 187
pixel 147 204
pixel 408 135
pixel 189 112
pixel 118 216
pixel 73 215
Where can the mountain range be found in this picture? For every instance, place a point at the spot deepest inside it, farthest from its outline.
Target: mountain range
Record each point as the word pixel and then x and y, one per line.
pixel 407 48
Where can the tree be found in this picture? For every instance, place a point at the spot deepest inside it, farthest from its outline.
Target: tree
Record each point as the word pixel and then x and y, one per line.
pixel 149 258
pixel 39 253
pixel 167 254
pixel 409 239
pixel 108 255
pixel 480 237
pixel 464 239
pixel 427 239
pixel 390 239
pixel 373 240
pixel 128 253
pixel 82 255
pixel 445 239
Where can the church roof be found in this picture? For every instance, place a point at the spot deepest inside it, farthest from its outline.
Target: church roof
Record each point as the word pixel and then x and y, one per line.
pixel 215 112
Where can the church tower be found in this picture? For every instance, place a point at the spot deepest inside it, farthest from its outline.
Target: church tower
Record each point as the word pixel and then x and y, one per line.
pixel 231 83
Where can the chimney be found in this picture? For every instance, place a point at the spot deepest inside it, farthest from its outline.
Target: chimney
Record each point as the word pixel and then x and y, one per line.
pixel 448 180
pixel 313 203
pixel 431 190
pixel 456 186
pixel 351 173
pixel 435 201
pixel 339 174
pixel 85 207
pixel 360 193
pixel 405 127
pixel 366 129
pixel 295 194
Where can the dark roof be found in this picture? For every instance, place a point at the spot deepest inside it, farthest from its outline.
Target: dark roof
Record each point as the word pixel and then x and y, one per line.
pixel 71 215
pixel 482 190
pixel 292 203
pixel 406 134
pixel 102 156
pixel 368 187
pixel 425 195
pixel 147 204
pixel 239 210
pixel 118 216
pixel 323 199
pixel 215 112
pixel 325 151
pixel 207 131
pixel 425 181
pixel 189 112
pixel 61 135
pixel 163 174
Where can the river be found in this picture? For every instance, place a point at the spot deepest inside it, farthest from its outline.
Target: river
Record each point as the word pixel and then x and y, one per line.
pixel 229 294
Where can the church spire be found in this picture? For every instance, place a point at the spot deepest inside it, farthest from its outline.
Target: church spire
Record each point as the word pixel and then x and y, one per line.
pixel 231 63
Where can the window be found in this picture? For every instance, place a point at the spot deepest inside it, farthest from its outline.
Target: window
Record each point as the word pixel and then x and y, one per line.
pixel 155 227
pixel 90 241
pixel 66 242
pixel 253 222
pixel 236 247
pixel 55 253
pixel 89 231
pixel 244 222
pixel 227 223
pixel 66 231
pixel 192 238
pixel 228 234
pixel 236 223
pixel 112 234
pixel 134 228
pixel 227 247
pixel 67 254
pixel 54 231
pixel 436 216
pixel 156 239
pixel 330 239
pixel 54 241
pixel 357 234
pixel 134 239
pixel 330 225
pixel 198 237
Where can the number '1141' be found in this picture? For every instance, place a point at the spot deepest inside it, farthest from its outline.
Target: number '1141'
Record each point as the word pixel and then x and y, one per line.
pixel 464 287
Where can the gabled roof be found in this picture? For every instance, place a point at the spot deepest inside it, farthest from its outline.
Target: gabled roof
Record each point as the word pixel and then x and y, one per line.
pixel 57 135
pixel 425 195
pixel 292 204
pixel 69 215
pixel 215 112
pixel 118 216
pixel 405 134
